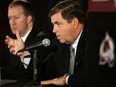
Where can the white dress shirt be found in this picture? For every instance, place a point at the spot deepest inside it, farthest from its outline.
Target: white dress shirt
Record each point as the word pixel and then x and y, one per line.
pixel 26 60
pixel 74 45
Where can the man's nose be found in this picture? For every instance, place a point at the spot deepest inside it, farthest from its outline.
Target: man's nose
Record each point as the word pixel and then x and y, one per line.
pixel 55 30
pixel 12 22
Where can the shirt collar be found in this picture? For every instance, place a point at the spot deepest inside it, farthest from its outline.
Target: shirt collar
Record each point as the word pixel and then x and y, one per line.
pixel 26 35
pixel 75 44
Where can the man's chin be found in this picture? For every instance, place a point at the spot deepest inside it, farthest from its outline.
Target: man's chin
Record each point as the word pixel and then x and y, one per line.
pixel 62 41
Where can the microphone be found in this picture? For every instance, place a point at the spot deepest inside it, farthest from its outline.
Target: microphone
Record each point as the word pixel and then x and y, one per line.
pixel 45 42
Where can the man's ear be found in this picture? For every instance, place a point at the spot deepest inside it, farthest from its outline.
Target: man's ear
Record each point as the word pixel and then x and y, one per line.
pixel 75 22
pixel 29 19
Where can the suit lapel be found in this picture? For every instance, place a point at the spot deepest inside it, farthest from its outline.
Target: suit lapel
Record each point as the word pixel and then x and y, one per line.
pixel 32 36
pixel 80 51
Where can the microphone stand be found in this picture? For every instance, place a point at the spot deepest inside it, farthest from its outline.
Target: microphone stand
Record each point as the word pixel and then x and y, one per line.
pixel 33 83
pixel 34 65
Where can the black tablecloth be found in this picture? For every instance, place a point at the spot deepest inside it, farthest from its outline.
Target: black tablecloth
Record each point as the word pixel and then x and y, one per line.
pixel 15 83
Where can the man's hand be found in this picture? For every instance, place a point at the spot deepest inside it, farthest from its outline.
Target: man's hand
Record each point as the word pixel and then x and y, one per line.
pixel 15 44
pixel 57 81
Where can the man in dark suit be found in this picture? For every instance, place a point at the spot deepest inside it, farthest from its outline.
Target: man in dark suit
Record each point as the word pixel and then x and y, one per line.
pixel 21 20
pixel 68 24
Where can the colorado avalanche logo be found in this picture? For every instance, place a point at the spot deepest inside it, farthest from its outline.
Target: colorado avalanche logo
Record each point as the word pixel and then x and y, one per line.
pixel 107 51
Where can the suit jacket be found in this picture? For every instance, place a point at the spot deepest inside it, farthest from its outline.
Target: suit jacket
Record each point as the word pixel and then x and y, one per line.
pixel 13 68
pixel 58 64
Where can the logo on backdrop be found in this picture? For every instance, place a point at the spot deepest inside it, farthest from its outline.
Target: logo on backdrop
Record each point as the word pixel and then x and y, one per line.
pixel 106 52
pixel 115 3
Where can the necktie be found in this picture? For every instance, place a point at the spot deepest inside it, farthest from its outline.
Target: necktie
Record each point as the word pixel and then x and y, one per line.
pixel 72 60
